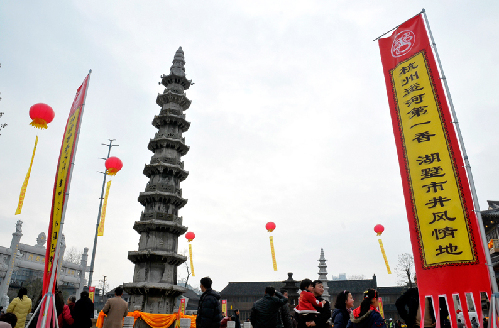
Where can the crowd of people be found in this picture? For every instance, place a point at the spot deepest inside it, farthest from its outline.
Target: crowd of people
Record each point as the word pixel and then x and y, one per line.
pixel 273 311
pixel 70 314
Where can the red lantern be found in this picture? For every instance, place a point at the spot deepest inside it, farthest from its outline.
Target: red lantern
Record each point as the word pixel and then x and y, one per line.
pixel 190 236
pixel 113 165
pixel 270 226
pixel 41 114
pixel 379 229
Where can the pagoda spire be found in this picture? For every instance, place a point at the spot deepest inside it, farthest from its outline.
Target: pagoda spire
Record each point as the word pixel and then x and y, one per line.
pixel 154 287
pixel 323 275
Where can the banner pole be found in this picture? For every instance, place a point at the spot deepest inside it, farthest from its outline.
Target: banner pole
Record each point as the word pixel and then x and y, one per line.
pixel 466 162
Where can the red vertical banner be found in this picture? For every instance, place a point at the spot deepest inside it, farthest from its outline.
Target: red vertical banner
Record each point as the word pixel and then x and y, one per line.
pixel 446 241
pixel 91 293
pixel 61 184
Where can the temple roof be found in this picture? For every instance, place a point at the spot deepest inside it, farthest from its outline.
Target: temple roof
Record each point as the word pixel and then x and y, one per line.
pixel 250 288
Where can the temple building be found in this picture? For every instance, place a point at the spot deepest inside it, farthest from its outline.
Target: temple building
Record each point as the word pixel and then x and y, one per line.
pixel 22 265
pixel 154 287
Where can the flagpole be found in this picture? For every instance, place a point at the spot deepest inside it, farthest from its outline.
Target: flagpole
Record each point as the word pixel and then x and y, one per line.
pixel 63 214
pixel 91 273
pixel 466 161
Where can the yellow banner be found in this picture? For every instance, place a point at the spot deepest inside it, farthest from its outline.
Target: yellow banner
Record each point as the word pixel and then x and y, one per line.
pixel 190 257
pixel 100 230
pixel 224 307
pixel 440 212
pixel 384 256
pixel 273 253
pixel 25 183
pixel 60 188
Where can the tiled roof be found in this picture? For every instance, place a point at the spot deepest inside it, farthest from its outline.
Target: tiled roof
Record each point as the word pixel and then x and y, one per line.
pixel 391 290
pixel 249 288
pixel 258 288
pixel 353 286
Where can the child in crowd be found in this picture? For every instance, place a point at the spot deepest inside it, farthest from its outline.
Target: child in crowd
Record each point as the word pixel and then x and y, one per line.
pixel 307 303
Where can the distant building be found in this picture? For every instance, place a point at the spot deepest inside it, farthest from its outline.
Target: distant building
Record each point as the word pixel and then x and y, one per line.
pixel 341 276
pixel 389 296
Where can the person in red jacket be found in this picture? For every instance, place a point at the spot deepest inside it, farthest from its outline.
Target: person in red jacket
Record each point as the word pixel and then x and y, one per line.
pixel 307 304
pixel 65 317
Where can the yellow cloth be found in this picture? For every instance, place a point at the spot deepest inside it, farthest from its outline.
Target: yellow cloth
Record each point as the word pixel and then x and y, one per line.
pixel 153 320
pixel 20 309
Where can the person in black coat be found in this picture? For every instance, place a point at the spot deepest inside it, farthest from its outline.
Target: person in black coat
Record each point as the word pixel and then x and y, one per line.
pixel 343 306
pixel 236 318
pixel 407 307
pixel 83 311
pixel 209 314
pixel 324 312
pixel 265 312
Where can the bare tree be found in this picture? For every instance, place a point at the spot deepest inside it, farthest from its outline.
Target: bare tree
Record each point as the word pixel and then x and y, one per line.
pixel 73 255
pixel 405 269
pixel 184 252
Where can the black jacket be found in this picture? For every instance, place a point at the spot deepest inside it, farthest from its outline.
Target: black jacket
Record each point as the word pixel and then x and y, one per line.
pixel 324 314
pixel 407 306
pixel 236 319
pixel 340 318
pixel 83 313
pixel 209 314
pixel 265 311
pixel 286 317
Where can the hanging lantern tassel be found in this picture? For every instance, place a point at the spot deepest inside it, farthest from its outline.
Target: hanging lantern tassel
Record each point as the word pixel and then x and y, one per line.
pixel 273 252
pixel 190 257
pixel 100 229
pixel 25 184
pixel 384 256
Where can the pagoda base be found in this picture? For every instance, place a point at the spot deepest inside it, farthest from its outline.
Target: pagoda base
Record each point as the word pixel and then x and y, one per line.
pixel 152 297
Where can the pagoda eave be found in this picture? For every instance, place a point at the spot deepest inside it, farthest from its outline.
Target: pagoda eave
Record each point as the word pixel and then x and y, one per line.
pixel 159 225
pixel 164 142
pixel 161 196
pixel 172 78
pixel 158 288
pixel 168 118
pixel 173 97
pixel 159 168
pixel 156 256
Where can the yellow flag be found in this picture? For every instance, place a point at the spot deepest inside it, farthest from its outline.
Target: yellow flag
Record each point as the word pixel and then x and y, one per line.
pixel 25 184
pixel 384 256
pixel 273 253
pixel 190 256
pixel 100 231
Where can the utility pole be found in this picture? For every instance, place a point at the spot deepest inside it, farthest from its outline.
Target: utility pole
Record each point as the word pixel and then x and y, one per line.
pixel 103 287
pixel 91 273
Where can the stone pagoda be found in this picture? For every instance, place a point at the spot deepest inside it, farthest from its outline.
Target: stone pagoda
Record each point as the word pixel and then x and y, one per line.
pixel 323 275
pixel 154 287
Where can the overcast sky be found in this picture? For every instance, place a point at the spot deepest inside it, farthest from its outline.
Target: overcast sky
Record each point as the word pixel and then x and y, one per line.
pixel 289 123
